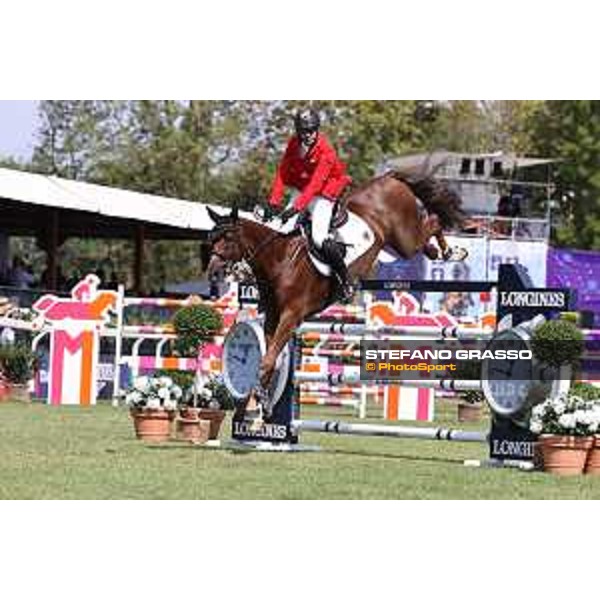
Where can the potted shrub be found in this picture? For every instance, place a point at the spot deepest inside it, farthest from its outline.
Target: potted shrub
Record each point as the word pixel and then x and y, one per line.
pixel 213 400
pixel 153 404
pixel 18 364
pixel 566 425
pixel 470 406
pixel 195 325
pixel 559 344
pixel 590 393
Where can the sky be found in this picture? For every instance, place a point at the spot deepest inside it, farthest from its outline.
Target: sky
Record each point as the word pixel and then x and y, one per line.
pixel 18 123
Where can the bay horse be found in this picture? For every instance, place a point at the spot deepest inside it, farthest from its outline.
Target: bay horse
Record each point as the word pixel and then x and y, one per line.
pixel 404 211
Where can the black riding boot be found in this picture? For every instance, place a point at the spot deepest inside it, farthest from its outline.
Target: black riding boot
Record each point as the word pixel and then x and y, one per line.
pixel 334 255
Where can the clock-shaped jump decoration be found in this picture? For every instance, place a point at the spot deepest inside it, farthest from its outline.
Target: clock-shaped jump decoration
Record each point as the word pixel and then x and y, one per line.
pixel 513 385
pixel 243 350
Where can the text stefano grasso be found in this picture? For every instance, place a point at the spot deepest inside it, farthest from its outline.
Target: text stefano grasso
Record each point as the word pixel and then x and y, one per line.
pixel 385 354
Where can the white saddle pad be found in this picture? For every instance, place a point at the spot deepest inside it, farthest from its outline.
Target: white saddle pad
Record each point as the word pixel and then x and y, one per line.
pixel 355 234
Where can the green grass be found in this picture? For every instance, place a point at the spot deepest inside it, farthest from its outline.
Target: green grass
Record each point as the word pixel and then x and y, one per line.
pixel 76 453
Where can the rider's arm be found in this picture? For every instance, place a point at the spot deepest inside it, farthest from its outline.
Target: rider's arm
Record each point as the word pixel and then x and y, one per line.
pixel 315 186
pixel 278 189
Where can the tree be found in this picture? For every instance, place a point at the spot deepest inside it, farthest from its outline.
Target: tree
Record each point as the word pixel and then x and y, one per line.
pixel 569 130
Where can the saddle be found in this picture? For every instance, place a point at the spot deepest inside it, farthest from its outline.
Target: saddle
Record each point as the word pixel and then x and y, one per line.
pixel 349 230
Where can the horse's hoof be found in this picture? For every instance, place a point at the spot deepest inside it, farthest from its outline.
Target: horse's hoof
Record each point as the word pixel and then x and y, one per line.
pixel 456 254
pixel 254 418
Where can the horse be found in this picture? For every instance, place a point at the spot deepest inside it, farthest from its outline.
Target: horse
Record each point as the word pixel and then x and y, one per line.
pixel 403 210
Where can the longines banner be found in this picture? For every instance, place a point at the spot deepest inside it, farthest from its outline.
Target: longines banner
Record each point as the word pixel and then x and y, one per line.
pixel 485 256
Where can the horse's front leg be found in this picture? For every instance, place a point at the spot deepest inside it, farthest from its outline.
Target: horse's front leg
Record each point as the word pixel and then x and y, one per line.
pixel 280 337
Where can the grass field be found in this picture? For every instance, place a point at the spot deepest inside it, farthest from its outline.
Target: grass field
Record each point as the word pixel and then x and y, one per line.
pixel 75 453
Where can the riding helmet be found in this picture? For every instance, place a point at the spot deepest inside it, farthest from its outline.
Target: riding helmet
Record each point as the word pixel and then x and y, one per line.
pixel 307 121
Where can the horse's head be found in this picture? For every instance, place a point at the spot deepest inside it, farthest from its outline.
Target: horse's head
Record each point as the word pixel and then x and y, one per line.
pixel 225 241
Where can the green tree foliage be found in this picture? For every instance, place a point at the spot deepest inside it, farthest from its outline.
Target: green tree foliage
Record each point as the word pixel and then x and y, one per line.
pixel 485 126
pixel 570 131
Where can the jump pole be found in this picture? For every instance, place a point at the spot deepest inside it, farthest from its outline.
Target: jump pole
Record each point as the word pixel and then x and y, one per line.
pixel 392 431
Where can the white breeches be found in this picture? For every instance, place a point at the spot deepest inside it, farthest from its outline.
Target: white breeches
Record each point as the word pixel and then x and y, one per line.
pixel 321 213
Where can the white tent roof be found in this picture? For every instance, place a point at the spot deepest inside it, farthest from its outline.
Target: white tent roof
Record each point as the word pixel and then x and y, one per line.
pixel 53 191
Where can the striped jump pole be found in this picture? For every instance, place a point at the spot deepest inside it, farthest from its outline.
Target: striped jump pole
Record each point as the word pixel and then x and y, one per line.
pixel 450 385
pixel 392 431
pixel 359 329
pixel 331 402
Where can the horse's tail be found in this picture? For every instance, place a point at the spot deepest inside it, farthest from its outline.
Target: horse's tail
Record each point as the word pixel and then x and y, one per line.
pixel 437 196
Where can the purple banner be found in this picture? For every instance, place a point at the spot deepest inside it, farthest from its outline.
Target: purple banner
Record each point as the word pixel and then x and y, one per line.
pixel 579 270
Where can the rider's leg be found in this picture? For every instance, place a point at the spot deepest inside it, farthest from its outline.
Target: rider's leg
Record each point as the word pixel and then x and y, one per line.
pixel 322 211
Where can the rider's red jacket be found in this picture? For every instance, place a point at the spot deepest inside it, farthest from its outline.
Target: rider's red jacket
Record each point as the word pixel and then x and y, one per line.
pixel 319 172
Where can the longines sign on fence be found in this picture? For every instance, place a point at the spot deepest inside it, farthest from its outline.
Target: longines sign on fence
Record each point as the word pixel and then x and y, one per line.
pixel 536 299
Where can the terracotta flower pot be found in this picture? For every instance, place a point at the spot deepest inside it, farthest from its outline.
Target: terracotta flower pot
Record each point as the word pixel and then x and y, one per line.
pixel 20 392
pixel 189 412
pixel 193 430
pixel 4 391
pixel 215 417
pixel 152 425
pixel 469 413
pixel 592 467
pixel 564 454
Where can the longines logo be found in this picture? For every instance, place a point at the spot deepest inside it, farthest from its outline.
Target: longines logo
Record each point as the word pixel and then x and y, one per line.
pixel 270 431
pixel 512 447
pixel 248 293
pixel 534 299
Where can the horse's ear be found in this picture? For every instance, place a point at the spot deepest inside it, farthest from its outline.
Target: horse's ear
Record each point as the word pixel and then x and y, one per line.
pixel 214 216
pixel 234 214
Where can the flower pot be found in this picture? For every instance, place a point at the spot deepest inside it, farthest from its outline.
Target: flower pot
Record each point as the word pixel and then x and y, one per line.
pixel 195 431
pixel 469 413
pixel 564 454
pixel 4 391
pixel 152 425
pixel 215 417
pixel 188 412
pixel 20 392
pixel 592 467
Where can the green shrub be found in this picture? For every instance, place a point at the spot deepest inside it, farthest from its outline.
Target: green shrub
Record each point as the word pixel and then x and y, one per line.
pixel 184 379
pixel 17 363
pixel 194 326
pixel 587 391
pixel 557 343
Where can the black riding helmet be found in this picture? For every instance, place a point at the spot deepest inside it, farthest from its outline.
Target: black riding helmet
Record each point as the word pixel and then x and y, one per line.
pixel 307 121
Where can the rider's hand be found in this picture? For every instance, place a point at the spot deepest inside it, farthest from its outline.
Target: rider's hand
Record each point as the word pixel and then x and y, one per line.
pixel 287 214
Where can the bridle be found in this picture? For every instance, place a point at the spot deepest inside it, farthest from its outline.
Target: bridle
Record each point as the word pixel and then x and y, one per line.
pixel 248 254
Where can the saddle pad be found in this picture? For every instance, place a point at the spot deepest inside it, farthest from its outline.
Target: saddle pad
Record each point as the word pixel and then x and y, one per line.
pixel 357 236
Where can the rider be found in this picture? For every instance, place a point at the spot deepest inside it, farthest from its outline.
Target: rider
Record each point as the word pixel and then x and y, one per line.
pixel 313 169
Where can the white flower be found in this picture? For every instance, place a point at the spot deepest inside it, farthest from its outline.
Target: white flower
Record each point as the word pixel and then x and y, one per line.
pixel 164 394
pixel 142 384
pixel 165 382
pixel 536 427
pixel 583 416
pixel 153 403
pixel 559 406
pixel 170 405
pixel 177 392
pixel 567 421
pixel 133 398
